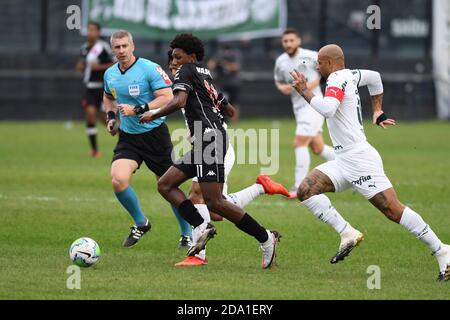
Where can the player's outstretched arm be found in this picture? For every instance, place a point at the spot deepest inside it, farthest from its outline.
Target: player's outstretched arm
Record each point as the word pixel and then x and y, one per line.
pixel 162 97
pixel 80 65
pixel 284 88
pixel 326 106
pixel 300 84
pixel 178 101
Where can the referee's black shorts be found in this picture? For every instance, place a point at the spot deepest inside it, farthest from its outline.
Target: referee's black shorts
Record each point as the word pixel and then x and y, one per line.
pixel 153 147
pixel 206 160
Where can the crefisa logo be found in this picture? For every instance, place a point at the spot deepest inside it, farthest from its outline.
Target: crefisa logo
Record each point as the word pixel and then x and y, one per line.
pixel 361 180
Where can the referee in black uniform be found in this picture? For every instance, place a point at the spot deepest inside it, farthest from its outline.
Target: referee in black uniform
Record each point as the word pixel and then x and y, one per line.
pixel 96 57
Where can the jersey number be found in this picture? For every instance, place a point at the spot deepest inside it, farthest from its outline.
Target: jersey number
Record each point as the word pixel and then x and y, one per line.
pixel 199 170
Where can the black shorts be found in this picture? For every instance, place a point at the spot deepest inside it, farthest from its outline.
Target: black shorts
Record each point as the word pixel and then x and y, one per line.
pixel 93 97
pixel 153 147
pixel 206 160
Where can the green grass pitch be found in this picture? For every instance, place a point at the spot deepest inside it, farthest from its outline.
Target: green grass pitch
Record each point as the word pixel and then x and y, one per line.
pixel 52 193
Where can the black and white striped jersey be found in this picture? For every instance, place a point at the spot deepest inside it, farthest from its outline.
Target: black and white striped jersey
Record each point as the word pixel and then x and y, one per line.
pixel 101 53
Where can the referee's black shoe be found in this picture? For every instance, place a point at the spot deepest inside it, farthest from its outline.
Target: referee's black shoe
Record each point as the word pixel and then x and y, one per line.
pixel 136 233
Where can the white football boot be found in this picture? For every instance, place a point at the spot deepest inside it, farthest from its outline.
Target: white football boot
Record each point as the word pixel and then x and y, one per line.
pixel 269 249
pixel 350 238
pixel 443 258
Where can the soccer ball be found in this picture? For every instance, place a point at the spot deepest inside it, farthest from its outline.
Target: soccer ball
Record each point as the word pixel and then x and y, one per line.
pixel 84 252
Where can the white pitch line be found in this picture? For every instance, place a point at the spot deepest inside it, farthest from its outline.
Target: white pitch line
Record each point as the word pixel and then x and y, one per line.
pixel 81 199
pixel 37 198
pixel 47 199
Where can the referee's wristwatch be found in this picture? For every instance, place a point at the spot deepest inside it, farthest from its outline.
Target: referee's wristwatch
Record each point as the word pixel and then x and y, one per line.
pixel 141 108
pixel 111 115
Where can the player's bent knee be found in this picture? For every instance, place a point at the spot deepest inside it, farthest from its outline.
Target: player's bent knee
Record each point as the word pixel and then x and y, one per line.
pixel 163 187
pixel 119 184
pixel 91 115
pixel 304 192
pixel 215 217
pixel 316 150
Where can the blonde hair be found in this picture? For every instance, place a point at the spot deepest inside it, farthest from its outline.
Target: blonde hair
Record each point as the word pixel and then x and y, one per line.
pixel 121 34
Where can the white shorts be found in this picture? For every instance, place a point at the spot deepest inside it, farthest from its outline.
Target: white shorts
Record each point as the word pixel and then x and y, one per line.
pixel 360 168
pixel 309 121
pixel 229 160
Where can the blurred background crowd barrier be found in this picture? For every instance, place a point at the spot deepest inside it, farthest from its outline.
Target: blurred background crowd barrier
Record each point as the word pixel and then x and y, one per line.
pixel 411 49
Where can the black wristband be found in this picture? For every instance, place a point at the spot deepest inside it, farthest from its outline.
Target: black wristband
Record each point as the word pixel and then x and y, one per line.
pixel 111 115
pixel 223 101
pixel 381 118
pixel 141 108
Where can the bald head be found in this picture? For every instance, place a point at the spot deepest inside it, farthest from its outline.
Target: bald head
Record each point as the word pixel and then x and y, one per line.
pixel 332 51
pixel 331 59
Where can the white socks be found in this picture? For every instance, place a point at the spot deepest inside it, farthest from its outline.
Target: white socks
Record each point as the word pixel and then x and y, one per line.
pixel 414 223
pixel 196 232
pixel 327 153
pixel 321 207
pixel 245 196
pixel 302 162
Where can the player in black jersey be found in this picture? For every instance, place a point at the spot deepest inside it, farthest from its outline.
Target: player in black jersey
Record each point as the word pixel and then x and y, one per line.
pixel 194 90
pixel 96 57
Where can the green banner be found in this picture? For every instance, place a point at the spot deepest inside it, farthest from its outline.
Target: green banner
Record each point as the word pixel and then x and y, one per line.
pixel 207 19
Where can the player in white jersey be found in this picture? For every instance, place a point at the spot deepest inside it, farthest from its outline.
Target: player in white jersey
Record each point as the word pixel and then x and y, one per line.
pixel 357 164
pixel 309 122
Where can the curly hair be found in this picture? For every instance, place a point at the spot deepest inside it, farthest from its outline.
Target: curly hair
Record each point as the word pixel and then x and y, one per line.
pixel 169 57
pixel 189 44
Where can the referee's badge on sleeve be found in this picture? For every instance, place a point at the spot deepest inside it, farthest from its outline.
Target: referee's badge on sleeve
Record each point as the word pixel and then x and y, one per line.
pixel 133 90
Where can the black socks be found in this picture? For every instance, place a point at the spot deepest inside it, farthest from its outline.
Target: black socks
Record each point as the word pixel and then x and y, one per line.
pixel 91 131
pixel 253 228
pixel 189 212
